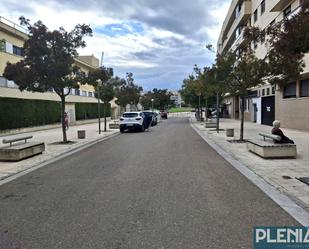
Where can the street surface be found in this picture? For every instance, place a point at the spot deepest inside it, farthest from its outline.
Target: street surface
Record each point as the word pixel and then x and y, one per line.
pixel 162 189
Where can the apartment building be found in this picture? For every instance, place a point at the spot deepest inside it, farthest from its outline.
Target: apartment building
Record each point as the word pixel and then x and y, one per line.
pixel 12 38
pixel 265 103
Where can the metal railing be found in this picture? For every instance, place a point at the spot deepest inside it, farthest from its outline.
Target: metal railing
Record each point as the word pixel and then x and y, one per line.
pixel 13 25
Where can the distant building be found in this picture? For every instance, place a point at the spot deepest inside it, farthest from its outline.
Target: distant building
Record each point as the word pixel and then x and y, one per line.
pixel 264 104
pixel 176 98
pixel 12 38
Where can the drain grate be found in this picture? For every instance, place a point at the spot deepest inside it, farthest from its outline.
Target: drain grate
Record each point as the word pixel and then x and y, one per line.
pixel 304 180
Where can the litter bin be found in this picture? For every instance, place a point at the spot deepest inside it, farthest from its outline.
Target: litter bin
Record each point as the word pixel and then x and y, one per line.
pixel 230 132
pixel 81 134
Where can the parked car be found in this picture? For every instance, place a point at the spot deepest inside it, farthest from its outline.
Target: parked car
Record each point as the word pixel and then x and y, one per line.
pixel 158 116
pixel 132 121
pixel 163 114
pixel 150 118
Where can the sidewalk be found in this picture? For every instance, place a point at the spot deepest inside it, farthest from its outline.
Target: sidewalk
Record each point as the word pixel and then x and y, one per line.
pixel 280 173
pixel 52 150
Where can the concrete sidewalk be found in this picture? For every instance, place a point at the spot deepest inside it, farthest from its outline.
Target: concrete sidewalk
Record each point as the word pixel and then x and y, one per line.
pixel 51 137
pixel 280 173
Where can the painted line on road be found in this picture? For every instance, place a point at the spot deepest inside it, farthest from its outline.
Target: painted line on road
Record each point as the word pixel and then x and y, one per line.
pixel 59 157
pixel 292 208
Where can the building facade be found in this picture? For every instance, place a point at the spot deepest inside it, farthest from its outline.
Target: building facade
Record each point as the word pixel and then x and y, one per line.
pixel 265 103
pixel 12 38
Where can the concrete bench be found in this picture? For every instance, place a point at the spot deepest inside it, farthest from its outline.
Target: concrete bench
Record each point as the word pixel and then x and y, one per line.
pixel 210 124
pixel 20 151
pixel 269 150
pixel 114 125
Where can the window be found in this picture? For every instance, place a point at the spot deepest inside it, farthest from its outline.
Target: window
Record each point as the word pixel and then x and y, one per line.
pixel 263 7
pixel 84 93
pixel 290 91
pixel 263 36
pixel 255 15
pixel 263 92
pixel 287 11
pixel 304 88
pixel 268 91
pixel 238 31
pixel 18 51
pixel 77 92
pixel 90 94
pixel 273 90
pixel 238 10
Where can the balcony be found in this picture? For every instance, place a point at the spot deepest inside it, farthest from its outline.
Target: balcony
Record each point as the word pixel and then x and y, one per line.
pixel 240 20
pixel 238 42
pixel 280 5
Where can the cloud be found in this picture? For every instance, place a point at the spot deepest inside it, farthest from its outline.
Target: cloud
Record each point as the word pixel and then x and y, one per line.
pixel 159 41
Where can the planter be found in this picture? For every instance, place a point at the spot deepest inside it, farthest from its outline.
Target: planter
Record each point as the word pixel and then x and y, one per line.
pixel 230 132
pixel 81 134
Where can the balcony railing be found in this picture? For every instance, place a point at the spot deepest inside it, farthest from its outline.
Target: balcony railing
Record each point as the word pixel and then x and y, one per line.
pixel 13 25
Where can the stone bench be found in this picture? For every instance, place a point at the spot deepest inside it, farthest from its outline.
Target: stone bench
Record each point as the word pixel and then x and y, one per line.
pixel 20 151
pixel 114 125
pixel 269 150
pixel 210 125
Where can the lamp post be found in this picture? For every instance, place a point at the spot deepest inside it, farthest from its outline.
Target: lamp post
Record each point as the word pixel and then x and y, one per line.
pixel 99 110
pixel 152 104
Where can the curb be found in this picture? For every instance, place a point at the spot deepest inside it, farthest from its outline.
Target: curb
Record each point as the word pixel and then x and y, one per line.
pixel 285 202
pixel 34 167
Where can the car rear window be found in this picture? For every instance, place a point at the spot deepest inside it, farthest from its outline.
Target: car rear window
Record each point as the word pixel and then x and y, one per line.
pixel 148 113
pixel 130 115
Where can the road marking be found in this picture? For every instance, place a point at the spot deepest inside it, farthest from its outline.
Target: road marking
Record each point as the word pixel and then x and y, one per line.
pixel 59 157
pixel 292 208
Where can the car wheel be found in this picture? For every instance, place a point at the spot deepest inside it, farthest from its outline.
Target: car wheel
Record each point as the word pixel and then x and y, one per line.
pixel 121 130
pixel 143 128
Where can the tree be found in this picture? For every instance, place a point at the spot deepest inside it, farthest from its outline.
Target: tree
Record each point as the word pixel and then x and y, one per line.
pixel 217 78
pixel 48 62
pixel 101 79
pixel 161 99
pixel 248 72
pixel 288 41
pixel 128 92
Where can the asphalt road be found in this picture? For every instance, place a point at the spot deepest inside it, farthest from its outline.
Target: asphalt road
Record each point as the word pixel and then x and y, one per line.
pixel 162 189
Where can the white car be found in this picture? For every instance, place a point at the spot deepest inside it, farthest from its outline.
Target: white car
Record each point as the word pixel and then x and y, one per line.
pixel 158 116
pixel 132 121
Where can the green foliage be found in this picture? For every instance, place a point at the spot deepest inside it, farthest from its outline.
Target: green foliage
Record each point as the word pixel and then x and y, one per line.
pixel 161 99
pixel 288 41
pixel 85 111
pixel 20 113
pixel 48 61
pixel 128 92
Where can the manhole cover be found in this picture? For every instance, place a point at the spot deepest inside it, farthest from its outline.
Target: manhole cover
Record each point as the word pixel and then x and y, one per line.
pixel 304 180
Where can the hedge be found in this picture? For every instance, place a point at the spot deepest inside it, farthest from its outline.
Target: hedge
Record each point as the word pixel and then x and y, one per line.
pixel 19 113
pixel 90 110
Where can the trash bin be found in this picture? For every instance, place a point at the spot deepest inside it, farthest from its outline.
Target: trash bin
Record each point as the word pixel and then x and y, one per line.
pixel 81 134
pixel 230 132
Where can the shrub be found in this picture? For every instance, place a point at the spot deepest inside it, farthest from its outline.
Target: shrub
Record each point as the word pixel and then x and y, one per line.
pixel 18 113
pixel 90 110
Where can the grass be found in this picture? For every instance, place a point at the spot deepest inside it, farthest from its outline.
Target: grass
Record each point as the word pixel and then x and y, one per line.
pixel 178 109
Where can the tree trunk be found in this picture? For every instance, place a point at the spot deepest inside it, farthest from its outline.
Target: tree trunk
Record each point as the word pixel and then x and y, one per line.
pixel 218 117
pixel 242 110
pixel 206 110
pixel 104 113
pixel 64 131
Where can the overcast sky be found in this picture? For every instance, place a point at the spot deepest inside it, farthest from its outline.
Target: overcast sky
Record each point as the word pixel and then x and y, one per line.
pixel 159 41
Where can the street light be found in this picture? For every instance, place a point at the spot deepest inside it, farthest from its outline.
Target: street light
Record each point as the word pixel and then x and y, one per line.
pixel 152 104
pixel 99 111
